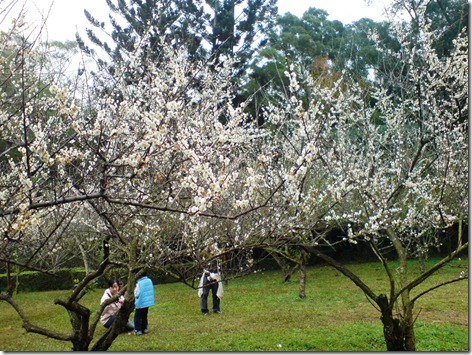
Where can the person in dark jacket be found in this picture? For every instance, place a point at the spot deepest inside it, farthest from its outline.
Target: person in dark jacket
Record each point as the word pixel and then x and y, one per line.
pixel 144 298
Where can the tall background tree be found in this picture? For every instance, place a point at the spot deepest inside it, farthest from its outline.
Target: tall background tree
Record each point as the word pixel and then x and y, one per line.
pixel 325 48
pixel 214 30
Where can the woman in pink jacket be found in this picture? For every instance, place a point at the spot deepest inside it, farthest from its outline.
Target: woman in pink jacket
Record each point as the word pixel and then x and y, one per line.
pixel 109 313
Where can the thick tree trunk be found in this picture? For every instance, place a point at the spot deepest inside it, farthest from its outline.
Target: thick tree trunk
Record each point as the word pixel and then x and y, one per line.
pixel 398 335
pixel 407 322
pixel 81 340
pixel 392 329
pixel 79 318
pixel 410 339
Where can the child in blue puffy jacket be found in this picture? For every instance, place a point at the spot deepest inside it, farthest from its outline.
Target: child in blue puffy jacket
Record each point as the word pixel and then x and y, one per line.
pixel 144 298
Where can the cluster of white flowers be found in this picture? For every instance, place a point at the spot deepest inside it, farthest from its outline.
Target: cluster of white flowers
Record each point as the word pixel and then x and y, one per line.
pixel 160 144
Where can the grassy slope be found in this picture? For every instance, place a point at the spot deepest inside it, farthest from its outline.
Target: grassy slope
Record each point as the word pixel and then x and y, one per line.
pixel 261 313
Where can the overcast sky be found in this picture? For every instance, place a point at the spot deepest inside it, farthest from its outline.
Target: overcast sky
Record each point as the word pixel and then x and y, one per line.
pixel 67 16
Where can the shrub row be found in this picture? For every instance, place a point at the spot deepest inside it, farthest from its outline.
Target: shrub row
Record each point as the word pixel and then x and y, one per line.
pixel 65 279
pixel 61 279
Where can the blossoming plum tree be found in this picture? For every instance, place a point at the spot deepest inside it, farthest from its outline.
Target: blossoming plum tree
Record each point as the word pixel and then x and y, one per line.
pixel 388 165
pixel 119 162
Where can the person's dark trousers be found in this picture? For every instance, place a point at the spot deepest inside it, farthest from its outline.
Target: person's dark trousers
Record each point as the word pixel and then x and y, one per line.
pixel 109 322
pixel 207 286
pixel 129 325
pixel 141 319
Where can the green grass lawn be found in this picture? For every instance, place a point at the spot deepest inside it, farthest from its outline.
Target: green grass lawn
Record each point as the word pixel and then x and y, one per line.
pixel 261 313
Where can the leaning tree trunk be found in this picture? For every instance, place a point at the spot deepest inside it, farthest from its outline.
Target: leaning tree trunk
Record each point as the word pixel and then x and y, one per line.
pixel 118 326
pixel 84 255
pixel 288 267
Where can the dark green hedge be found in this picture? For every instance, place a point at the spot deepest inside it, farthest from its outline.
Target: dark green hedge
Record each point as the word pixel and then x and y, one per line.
pixel 65 279
pixel 62 279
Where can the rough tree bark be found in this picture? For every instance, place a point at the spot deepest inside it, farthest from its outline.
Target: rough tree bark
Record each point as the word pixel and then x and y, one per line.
pixel 118 326
pixel 303 264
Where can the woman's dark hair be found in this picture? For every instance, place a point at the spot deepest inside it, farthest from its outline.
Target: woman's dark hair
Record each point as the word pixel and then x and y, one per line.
pixel 113 281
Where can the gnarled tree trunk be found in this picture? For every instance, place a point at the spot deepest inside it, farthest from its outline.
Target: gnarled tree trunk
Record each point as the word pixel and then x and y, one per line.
pixel 79 318
pixel 392 329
